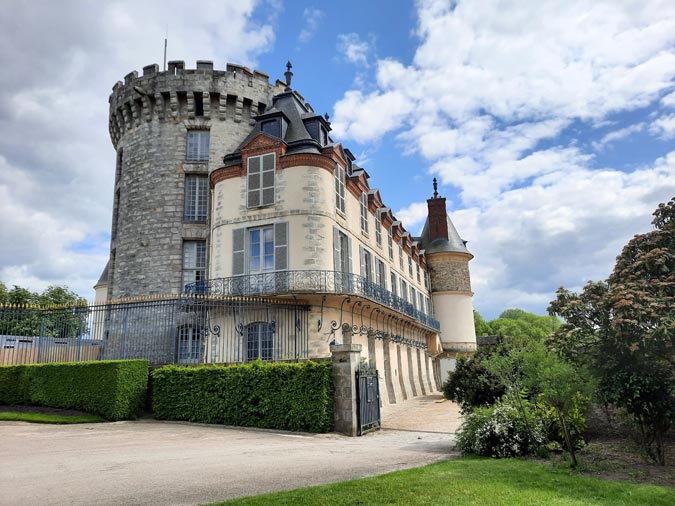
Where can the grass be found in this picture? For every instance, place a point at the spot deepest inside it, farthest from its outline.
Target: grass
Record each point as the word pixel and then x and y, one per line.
pixel 474 481
pixel 17 416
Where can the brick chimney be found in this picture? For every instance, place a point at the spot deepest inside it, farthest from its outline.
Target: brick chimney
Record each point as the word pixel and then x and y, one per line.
pixel 438 217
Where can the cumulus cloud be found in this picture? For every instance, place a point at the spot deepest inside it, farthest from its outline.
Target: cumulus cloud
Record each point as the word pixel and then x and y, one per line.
pixel 485 102
pixel 353 48
pixel 311 18
pixel 664 127
pixel 56 161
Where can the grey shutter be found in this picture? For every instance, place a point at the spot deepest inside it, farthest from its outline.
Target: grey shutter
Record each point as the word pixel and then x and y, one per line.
pixel 268 171
pixel 253 182
pixel 362 255
pixel 281 246
pixel 238 254
pixel 336 250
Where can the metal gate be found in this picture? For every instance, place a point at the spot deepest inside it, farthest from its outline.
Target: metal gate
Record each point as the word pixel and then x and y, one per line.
pixel 369 401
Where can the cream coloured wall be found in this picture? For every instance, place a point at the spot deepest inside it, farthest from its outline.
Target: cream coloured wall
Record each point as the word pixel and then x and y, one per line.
pixel 455 313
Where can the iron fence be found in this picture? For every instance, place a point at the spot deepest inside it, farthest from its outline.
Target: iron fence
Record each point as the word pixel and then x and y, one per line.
pixel 310 281
pixel 163 330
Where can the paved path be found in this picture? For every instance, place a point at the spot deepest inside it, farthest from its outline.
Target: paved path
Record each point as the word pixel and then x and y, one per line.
pixel 431 413
pixel 158 463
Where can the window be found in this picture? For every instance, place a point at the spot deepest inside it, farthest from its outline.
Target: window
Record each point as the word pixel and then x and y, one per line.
pixel 380 273
pixel 196 197
pixel 394 284
pixel 378 229
pixel 421 301
pixel 271 127
pixel 410 264
pixel 339 173
pixel 413 297
pixel 364 213
pixel 341 252
pixel 419 275
pixel 189 345
pixel 404 290
pixel 366 264
pixel 259 341
pixel 391 245
pixel 197 146
pixel 194 261
pixel 400 255
pixel 260 180
pixel 261 249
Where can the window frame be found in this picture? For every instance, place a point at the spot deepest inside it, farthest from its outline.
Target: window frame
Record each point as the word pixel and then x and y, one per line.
pixel 339 175
pixel 364 213
pixel 198 201
pixel 198 152
pixel 199 271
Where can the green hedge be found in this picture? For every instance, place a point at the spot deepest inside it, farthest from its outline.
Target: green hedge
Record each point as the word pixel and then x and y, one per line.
pixel 113 389
pixel 288 396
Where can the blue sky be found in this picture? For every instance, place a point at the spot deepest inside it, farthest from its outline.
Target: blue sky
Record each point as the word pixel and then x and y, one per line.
pixel 550 124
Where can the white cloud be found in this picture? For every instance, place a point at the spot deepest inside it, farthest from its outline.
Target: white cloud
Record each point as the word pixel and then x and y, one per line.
pixel 663 127
pixel 353 48
pixel 669 100
pixel 56 162
pixel 485 100
pixel 413 217
pixel 618 135
pixel 311 18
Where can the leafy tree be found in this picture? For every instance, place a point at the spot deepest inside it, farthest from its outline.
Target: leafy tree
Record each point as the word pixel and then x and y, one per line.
pixel 471 385
pixel 482 327
pixel 69 319
pixel 625 329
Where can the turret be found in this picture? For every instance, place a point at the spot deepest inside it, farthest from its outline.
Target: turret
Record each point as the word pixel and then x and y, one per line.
pixel 448 260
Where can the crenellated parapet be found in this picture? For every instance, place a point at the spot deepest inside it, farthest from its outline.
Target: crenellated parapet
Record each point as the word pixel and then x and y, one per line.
pixel 186 95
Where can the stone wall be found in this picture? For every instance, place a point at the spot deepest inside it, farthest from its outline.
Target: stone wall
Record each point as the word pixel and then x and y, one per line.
pixel 150 116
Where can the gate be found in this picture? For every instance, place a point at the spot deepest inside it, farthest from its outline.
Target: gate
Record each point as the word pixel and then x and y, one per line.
pixel 369 401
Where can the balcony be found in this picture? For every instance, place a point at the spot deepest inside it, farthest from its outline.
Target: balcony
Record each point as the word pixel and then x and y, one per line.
pixel 309 281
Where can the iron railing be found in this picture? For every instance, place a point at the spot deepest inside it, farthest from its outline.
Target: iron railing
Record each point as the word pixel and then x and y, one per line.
pixel 309 281
pixel 163 330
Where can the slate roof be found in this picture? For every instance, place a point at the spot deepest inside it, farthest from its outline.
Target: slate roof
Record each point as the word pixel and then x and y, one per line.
pixel 454 243
pixel 103 280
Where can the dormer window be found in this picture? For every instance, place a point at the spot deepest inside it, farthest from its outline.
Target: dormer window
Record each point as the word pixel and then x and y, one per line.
pixel 323 136
pixel 271 127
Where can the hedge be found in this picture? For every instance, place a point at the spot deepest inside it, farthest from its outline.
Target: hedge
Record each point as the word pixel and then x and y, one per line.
pixel 113 389
pixel 287 396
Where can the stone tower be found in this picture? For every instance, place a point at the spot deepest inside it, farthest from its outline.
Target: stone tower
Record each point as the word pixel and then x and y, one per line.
pixel 169 130
pixel 448 261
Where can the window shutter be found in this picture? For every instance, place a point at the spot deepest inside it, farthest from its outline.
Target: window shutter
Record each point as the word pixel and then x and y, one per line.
pixel 253 188
pixel 362 255
pixel 336 250
pixel 281 246
pixel 268 179
pixel 238 254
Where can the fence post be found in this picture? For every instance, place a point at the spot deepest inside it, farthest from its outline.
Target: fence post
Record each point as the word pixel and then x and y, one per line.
pixel 345 364
pixel 42 335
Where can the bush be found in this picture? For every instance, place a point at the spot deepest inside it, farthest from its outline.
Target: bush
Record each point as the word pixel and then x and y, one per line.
pixel 501 431
pixel 288 396
pixel 113 389
pixel 575 420
pixel 471 385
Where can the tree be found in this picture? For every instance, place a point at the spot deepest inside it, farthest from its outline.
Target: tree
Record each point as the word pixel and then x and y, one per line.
pixel 625 329
pixel 482 327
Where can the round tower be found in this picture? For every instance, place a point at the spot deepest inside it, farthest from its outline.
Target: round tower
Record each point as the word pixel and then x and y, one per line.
pixel 169 130
pixel 448 260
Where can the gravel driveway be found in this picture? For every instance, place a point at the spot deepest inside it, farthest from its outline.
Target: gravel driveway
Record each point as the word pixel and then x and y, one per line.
pixel 164 463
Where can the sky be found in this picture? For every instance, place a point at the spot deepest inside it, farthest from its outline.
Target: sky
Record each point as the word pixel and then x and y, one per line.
pixel 550 125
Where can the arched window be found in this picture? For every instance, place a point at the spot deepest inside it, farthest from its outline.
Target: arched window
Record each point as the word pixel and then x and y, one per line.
pixel 259 341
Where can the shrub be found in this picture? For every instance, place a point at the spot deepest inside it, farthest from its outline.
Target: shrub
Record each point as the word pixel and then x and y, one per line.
pixel 289 396
pixel 113 389
pixel 501 431
pixel 575 420
pixel 471 385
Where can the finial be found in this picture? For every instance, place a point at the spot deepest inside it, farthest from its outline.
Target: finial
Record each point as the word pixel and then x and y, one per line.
pixel 435 188
pixel 289 75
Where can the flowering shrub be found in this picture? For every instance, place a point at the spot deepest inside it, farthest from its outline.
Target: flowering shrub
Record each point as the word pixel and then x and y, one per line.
pixel 501 431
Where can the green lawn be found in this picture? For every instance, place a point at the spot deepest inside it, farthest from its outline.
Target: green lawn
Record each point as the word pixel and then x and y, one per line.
pixel 45 418
pixel 472 481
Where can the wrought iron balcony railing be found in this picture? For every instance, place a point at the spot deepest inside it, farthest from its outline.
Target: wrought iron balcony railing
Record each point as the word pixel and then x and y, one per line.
pixel 309 281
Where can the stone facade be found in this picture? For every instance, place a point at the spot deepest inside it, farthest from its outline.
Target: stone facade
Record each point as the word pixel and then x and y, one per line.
pixel 150 116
